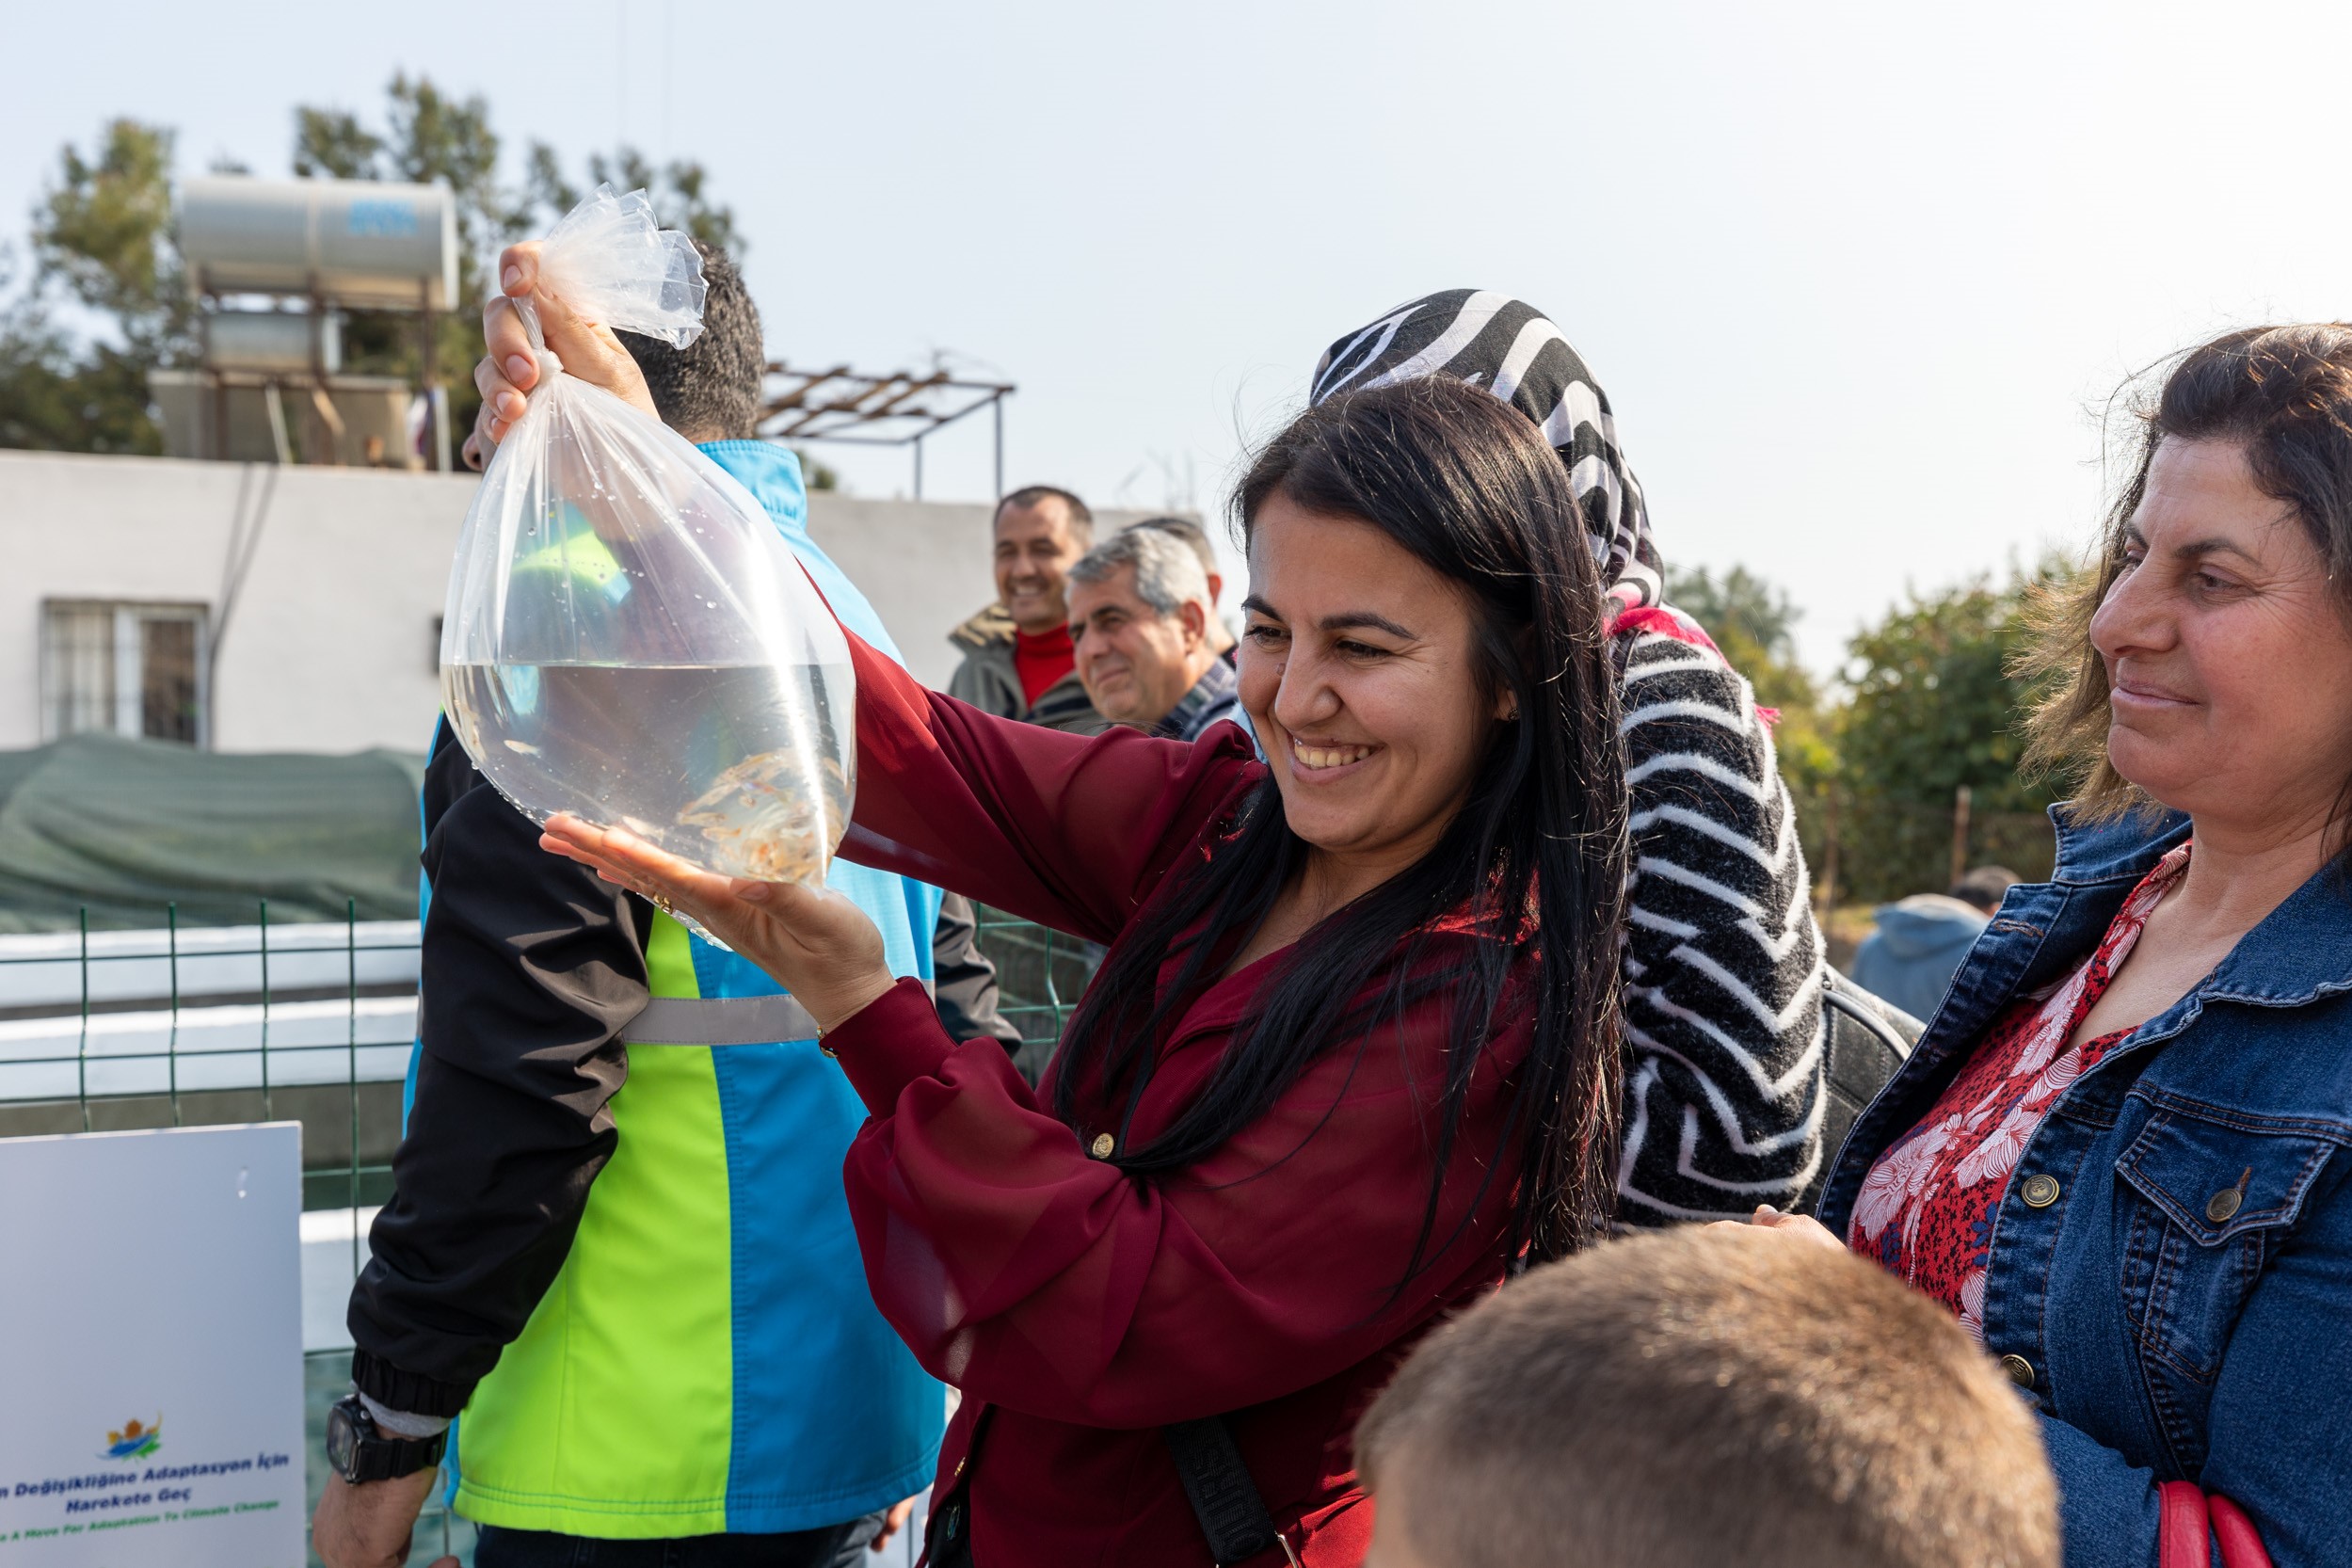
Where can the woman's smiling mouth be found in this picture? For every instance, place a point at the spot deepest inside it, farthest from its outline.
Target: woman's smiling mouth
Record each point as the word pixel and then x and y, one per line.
pixel 1315 759
pixel 2137 694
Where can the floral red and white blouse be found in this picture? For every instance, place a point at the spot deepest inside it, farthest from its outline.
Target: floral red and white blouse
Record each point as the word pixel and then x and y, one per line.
pixel 1926 1210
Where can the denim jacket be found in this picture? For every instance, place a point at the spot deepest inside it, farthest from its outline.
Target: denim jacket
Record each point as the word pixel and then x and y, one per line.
pixel 2179 1306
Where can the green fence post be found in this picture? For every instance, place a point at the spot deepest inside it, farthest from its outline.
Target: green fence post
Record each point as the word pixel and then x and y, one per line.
pixel 351 1057
pixel 267 1105
pixel 1053 987
pixel 171 1041
pixel 81 1053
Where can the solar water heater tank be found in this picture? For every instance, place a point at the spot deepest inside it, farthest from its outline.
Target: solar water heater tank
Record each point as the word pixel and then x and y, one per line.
pixel 273 342
pixel 361 243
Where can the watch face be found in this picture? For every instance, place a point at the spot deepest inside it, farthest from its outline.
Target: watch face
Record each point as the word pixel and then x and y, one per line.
pixel 343 1440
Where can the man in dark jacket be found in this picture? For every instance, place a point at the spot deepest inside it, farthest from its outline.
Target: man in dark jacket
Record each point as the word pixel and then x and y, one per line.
pixel 1019 661
pixel 617 1240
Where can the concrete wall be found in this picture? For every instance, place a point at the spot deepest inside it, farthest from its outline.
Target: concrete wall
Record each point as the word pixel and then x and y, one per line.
pixel 924 564
pixel 330 644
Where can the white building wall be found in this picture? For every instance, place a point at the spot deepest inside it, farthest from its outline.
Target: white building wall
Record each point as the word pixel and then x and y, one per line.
pixel 925 565
pixel 329 644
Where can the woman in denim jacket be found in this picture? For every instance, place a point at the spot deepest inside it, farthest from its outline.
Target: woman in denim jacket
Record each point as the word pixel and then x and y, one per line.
pixel 2120 1151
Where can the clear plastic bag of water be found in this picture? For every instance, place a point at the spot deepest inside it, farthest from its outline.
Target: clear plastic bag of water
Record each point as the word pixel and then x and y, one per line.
pixel 627 637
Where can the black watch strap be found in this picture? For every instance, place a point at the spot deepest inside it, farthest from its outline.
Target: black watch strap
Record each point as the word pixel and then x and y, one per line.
pixel 375 1455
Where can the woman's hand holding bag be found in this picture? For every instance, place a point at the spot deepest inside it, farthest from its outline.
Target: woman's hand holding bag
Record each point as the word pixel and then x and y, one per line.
pixel 817 945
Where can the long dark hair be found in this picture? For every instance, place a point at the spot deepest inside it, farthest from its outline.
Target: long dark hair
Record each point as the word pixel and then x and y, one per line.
pixel 1536 857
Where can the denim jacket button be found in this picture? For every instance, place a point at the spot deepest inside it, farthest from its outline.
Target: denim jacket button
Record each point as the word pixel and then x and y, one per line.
pixel 2040 1192
pixel 2021 1370
pixel 2223 1204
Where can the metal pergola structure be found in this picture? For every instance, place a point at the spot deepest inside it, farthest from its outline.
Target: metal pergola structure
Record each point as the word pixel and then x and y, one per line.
pixel 902 409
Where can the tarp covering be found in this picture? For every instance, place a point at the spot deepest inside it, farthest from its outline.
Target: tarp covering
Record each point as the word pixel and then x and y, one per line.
pixel 125 827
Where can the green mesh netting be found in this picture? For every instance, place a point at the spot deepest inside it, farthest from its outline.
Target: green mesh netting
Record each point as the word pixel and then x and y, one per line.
pixel 124 828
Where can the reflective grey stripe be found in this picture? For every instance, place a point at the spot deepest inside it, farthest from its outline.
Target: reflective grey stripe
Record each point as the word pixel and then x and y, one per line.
pixel 730 1021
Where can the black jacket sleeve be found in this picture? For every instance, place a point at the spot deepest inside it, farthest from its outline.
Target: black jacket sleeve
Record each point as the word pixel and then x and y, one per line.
pixel 964 981
pixel 530 966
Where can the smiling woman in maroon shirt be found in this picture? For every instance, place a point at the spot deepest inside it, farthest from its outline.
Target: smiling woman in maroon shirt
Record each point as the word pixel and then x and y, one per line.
pixel 1328 1085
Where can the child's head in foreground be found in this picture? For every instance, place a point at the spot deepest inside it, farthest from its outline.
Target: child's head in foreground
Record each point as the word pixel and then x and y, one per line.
pixel 1705 1396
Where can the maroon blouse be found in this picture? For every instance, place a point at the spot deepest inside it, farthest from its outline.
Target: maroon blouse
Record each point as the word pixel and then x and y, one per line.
pixel 1079 1309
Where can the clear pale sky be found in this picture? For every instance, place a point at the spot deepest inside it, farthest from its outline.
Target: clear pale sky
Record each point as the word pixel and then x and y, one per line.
pixel 1853 276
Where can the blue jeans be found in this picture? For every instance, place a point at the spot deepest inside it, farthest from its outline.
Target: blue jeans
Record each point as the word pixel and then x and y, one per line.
pixel 834 1546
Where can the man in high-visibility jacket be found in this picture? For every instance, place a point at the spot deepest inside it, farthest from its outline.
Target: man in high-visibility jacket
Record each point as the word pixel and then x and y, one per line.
pixel 619 1242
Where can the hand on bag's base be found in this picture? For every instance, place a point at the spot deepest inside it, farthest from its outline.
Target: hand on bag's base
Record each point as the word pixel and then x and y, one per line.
pixel 816 943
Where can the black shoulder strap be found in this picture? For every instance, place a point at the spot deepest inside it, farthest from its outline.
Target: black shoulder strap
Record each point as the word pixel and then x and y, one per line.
pixel 1225 1496
pixel 1866 1040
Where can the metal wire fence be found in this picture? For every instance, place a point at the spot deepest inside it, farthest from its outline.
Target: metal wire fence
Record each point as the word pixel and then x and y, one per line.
pixel 1040 976
pixel 1869 849
pixel 173 1026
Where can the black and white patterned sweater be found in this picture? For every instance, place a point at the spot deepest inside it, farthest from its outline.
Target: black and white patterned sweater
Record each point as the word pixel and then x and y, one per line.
pixel 1724 1050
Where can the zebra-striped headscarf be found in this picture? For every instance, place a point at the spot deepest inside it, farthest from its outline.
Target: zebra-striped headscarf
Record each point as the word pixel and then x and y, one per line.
pixel 1511 349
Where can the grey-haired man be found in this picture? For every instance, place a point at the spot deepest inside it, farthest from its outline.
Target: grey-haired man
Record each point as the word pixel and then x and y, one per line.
pixel 1139 617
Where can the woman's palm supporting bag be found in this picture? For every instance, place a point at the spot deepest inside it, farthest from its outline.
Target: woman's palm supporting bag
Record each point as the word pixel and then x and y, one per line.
pixel 627 637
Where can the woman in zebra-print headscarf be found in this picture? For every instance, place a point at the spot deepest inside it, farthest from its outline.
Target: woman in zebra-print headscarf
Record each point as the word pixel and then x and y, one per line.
pixel 1724 1045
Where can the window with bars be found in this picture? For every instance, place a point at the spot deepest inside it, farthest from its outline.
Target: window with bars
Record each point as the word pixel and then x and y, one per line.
pixel 123 668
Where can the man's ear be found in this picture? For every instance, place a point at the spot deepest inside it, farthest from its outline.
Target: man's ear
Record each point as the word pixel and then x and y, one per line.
pixel 1195 615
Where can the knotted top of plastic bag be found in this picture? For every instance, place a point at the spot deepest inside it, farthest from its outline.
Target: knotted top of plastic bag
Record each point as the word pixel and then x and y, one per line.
pixel 612 261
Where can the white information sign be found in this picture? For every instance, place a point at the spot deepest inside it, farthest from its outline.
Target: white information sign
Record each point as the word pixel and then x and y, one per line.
pixel 150 1348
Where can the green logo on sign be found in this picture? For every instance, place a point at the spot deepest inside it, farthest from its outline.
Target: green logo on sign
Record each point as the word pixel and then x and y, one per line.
pixel 135 1441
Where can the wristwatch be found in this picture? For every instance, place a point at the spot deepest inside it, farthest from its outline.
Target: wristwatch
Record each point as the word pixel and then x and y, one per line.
pixel 359 1452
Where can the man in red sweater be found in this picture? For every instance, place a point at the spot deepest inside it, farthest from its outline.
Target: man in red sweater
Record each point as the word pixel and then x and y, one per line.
pixel 1019 662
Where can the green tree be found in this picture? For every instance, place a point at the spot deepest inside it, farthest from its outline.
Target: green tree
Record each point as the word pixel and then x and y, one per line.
pixel 1740 603
pixel 1753 622
pixel 331 144
pixel 58 397
pixel 105 231
pixel 101 237
pixel 1932 706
